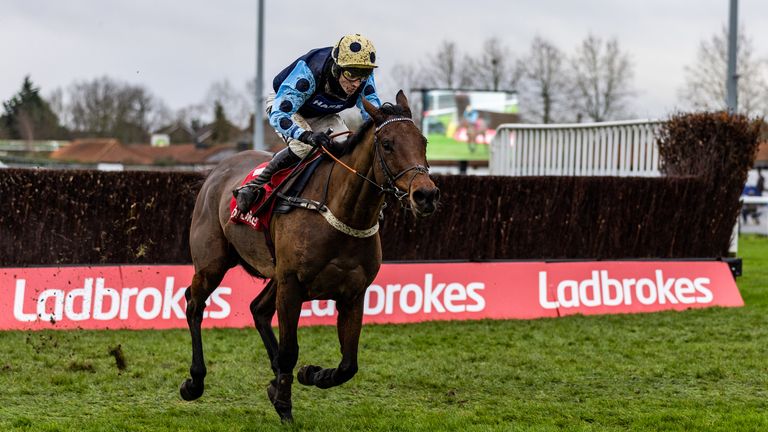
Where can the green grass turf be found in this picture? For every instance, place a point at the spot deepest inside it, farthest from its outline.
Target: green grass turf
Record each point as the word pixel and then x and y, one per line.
pixel 440 147
pixel 681 371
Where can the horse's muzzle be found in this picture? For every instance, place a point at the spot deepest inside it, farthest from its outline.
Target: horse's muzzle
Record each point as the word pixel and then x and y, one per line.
pixel 424 200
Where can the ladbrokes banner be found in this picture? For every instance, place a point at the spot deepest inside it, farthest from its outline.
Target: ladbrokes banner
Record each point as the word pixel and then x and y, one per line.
pixel 141 297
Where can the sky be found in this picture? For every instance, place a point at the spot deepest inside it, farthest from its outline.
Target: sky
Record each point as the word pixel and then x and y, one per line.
pixel 177 49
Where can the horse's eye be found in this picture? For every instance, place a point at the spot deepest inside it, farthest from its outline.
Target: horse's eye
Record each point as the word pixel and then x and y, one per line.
pixel 387 144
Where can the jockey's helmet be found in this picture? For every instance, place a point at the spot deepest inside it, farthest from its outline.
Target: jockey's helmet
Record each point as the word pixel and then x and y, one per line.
pixel 354 51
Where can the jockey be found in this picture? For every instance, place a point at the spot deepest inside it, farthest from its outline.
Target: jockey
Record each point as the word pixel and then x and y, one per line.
pixel 310 93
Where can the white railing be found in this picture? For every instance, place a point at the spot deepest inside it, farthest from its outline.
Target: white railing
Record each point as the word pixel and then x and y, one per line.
pixel 623 148
pixel 754 216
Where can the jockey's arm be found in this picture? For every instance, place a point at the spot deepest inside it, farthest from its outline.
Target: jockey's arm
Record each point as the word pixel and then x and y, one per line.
pixel 369 92
pixel 291 95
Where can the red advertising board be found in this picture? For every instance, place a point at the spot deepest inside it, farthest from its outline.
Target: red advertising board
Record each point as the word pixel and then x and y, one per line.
pixel 141 297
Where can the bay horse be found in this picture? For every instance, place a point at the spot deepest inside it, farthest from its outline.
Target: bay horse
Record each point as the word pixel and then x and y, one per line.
pixel 313 259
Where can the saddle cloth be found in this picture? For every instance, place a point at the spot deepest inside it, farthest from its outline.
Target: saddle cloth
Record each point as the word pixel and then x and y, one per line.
pixel 261 211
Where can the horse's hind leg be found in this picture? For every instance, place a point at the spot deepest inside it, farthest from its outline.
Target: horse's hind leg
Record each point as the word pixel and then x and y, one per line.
pixel 205 281
pixel 263 309
pixel 349 324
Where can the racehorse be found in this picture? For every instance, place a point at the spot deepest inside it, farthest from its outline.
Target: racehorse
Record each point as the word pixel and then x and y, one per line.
pixel 328 250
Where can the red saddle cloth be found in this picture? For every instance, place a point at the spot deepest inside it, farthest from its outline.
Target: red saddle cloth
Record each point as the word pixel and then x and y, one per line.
pixel 260 221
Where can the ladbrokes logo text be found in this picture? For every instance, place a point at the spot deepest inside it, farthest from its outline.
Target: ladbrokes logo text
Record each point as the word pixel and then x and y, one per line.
pixel 603 290
pixel 96 301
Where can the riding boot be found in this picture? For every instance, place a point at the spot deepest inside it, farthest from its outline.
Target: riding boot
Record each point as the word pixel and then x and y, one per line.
pixel 250 192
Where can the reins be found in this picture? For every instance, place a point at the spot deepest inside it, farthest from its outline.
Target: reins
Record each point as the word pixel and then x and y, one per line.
pixel 349 168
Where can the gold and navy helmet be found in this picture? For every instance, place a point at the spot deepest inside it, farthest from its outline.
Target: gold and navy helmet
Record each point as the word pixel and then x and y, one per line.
pixel 354 51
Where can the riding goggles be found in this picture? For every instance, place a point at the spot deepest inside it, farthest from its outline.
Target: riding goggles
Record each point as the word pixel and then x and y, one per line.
pixel 355 74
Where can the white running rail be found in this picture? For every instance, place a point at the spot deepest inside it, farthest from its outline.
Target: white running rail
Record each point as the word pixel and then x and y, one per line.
pixel 622 148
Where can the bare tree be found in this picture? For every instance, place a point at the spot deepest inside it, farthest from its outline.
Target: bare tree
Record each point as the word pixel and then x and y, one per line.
pixel 58 105
pixel 404 77
pixel 705 83
pixel 602 76
pixel 107 108
pixel 494 68
pixel 192 114
pixel 544 85
pixel 161 116
pixel 235 102
pixel 188 112
pixel 444 68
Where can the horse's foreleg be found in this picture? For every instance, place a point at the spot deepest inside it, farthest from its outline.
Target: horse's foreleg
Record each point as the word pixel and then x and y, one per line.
pixel 349 325
pixel 288 311
pixel 203 283
pixel 263 309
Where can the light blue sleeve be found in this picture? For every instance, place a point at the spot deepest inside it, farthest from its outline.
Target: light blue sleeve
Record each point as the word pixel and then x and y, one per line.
pixel 369 92
pixel 297 87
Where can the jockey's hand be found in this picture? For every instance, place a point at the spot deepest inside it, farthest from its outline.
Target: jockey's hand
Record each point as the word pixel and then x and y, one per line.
pixel 316 139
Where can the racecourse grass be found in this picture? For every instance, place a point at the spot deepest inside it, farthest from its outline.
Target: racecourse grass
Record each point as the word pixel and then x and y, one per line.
pixel 687 371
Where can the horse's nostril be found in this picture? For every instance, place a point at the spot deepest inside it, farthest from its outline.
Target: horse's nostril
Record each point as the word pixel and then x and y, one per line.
pixel 426 196
pixel 419 196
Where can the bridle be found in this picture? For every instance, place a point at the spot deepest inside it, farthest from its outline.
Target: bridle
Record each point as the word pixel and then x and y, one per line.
pixel 391 179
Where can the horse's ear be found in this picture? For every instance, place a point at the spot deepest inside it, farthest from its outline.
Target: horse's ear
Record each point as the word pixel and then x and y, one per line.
pixel 403 102
pixel 372 111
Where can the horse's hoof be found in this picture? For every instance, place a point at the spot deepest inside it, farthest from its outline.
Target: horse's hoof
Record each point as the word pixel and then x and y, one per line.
pixel 189 391
pixel 288 418
pixel 306 374
pixel 284 411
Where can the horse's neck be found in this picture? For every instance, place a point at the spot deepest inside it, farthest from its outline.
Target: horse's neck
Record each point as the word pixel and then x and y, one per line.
pixel 357 201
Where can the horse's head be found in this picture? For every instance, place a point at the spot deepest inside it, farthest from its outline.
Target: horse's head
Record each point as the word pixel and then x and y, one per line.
pixel 401 156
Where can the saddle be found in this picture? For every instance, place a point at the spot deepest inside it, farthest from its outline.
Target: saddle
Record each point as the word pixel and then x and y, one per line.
pixel 274 200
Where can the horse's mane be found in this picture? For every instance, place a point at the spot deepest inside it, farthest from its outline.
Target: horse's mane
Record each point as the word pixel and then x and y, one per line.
pixel 390 109
pixel 355 139
pixel 387 109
